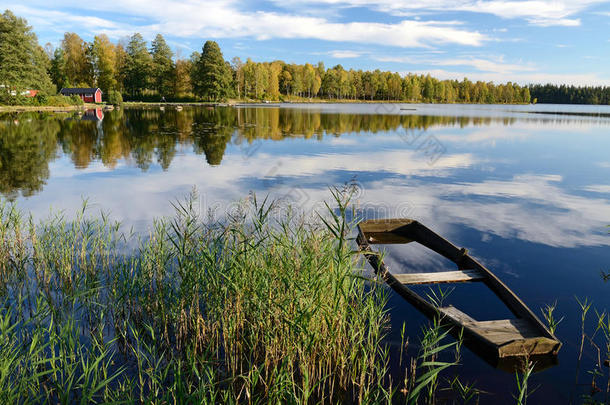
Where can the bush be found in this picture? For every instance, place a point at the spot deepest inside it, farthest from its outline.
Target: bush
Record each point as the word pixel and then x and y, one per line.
pixel 59 101
pixel 41 99
pixel 76 100
pixel 115 97
pixel 8 99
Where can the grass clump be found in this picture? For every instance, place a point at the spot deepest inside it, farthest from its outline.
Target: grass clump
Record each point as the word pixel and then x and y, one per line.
pixel 251 310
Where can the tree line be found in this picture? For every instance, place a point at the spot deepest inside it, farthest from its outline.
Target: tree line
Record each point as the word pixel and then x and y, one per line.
pixel 563 94
pixel 141 71
pixel 148 73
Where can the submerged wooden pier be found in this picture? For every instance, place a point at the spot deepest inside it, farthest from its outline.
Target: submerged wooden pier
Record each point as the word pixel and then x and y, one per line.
pixel 502 340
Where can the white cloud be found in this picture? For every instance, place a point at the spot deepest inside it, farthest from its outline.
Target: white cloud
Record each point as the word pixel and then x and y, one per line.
pixel 598 188
pixel 61 22
pixel 226 19
pixel 345 54
pixel 535 12
pixel 485 65
pixel 577 79
pixel 495 65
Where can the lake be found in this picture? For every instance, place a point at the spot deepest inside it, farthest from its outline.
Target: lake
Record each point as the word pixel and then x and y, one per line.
pixel 525 188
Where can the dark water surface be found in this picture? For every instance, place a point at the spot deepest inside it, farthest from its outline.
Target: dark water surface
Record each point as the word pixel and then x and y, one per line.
pixel 525 188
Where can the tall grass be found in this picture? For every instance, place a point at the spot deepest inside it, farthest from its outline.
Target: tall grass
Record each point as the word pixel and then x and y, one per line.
pixel 598 345
pixel 253 310
pixel 259 308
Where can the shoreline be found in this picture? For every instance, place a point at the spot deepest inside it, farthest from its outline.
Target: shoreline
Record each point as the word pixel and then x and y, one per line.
pixel 261 103
pixel 229 103
pixel 51 108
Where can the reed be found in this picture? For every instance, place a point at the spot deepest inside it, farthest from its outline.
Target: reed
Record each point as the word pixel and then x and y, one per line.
pixel 523 391
pixel 251 310
pixel 597 351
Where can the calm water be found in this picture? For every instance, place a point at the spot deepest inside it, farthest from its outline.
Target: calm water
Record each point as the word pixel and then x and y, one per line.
pixel 525 188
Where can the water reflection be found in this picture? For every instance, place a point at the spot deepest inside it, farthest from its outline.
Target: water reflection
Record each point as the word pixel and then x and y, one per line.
pixel 93 114
pixel 521 202
pixel 28 141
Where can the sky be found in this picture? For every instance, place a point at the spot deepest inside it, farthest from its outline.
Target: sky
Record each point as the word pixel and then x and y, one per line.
pixel 530 41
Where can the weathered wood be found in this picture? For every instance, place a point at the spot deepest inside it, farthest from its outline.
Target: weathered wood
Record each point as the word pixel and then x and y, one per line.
pixel 383 225
pixel 526 335
pixel 456 315
pixel 505 330
pixel 514 337
pixel 536 346
pixel 457 276
pixel 385 231
pixel 387 238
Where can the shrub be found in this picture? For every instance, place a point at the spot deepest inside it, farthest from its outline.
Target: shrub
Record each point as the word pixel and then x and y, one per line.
pixel 115 97
pixel 58 101
pixel 76 100
pixel 41 99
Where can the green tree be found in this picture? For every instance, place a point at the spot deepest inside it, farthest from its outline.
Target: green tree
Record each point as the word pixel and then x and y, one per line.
pixel 23 62
pixel 286 81
pixel 121 60
pixel 163 67
pixel 58 70
pixel 238 75
pixel 139 65
pixel 182 77
pixel 212 76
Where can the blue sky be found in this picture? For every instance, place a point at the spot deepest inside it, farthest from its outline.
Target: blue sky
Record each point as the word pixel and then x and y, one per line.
pixel 558 41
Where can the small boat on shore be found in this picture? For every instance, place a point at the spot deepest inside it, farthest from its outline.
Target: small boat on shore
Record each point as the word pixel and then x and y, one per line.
pixel 524 335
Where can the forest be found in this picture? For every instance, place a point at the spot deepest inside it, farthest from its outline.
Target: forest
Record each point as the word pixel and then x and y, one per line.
pixel 564 94
pixel 135 70
pixel 141 71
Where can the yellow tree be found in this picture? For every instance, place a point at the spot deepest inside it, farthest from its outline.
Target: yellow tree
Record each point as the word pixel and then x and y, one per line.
pixel 78 69
pixel 273 84
pixel 104 63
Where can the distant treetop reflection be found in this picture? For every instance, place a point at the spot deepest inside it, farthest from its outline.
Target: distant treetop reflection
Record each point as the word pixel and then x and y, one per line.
pixel 144 136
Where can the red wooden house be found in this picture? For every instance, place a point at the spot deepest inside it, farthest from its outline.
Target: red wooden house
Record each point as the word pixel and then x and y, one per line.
pixel 89 95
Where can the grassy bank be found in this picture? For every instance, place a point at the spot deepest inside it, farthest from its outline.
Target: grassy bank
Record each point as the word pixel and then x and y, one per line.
pixel 59 107
pixel 251 310
pixel 291 99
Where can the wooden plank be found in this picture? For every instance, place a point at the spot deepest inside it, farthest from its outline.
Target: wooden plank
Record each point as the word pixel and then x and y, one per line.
pixel 383 225
pixel 380 268
pixel 385 231
pixel 505 330
pixel 457 315
pixel 516 337
pixel 386 238
pixel 457 276
pixel 529 347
